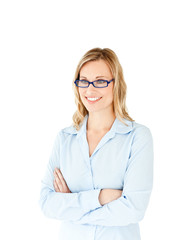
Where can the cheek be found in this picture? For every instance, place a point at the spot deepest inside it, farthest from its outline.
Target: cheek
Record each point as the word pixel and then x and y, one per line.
pixel 80 92
pixel 111 92
pixel 110 95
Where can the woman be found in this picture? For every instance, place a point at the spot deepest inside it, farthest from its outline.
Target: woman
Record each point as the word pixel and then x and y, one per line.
pixel 99 177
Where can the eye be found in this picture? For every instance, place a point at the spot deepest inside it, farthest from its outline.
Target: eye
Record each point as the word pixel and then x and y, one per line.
pixel 100 81
pixel 84 81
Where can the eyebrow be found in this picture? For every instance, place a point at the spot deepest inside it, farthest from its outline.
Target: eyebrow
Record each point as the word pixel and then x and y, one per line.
pixel 96 77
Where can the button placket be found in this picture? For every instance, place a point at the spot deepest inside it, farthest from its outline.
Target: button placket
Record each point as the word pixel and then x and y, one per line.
pixel 102 142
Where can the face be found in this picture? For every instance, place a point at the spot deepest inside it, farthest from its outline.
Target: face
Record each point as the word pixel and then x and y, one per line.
pixel 92 71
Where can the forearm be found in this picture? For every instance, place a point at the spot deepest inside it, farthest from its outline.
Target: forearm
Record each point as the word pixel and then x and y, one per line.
pixel 131 206
pixel 68 206
pixel 73 206
pixel 108 195
pixel 121 212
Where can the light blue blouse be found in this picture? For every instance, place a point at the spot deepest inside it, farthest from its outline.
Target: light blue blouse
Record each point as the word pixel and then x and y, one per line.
pixel 123 159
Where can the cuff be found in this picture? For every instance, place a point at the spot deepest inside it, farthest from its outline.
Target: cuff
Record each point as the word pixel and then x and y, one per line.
pixel 89 200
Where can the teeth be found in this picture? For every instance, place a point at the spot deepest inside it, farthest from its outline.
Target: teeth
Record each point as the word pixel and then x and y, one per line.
pixel 92 99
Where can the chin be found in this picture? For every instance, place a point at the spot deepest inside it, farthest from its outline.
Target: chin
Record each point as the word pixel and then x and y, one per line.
pixel 89 109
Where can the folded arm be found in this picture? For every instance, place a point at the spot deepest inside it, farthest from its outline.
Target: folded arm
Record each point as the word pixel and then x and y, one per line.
pixel 131 206
pixel 64 206
pixel 85 207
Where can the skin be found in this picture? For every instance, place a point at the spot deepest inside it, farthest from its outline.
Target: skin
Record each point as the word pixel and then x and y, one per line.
pixel 101 114
pixel 100 119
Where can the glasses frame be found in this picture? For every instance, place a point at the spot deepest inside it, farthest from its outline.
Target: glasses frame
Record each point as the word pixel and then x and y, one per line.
pixel 93 82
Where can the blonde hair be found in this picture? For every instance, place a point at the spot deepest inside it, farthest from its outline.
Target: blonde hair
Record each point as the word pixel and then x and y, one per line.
pixel 119 89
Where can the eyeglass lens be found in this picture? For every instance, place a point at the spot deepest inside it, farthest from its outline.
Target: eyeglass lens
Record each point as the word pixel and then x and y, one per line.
pixel 98 83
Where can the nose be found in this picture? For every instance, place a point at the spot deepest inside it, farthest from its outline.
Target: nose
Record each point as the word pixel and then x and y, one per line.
pixel 91 87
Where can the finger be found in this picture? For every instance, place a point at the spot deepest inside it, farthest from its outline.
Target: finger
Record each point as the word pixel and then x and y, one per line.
pixel 59 174
pixel 58 182
pixel 56 186
pixel 60 177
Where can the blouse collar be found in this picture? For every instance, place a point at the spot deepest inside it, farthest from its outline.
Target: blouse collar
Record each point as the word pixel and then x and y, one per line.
pixel 117 127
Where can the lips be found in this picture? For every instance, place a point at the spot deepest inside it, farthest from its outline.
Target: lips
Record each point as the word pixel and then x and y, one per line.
pixel 93 99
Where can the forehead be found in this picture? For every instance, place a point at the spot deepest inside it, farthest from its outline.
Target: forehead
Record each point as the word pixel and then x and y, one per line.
pixel 95 68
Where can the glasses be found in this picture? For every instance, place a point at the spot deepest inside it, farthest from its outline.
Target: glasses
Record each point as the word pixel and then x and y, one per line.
pixel 101 83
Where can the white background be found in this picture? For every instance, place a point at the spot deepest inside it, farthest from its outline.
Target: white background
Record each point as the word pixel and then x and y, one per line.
pixel 41 43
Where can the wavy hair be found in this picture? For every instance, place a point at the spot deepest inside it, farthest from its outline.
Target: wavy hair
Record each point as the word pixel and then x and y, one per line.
pixel 119 90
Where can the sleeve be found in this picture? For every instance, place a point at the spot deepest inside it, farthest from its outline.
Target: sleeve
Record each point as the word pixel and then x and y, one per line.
pixel 138 181
pixel 64 206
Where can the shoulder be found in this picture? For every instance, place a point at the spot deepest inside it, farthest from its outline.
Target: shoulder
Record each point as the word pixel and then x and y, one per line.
pixel 134 129
pixel 131 127
pixel 70 130
pixel 140 128
pixel 141 132
pixel 64 133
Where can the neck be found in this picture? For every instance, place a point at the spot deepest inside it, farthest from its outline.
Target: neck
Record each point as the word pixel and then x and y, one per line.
pixel 100 121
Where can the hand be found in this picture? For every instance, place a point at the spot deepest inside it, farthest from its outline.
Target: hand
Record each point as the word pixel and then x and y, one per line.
pixel 108 195
pixel 59 182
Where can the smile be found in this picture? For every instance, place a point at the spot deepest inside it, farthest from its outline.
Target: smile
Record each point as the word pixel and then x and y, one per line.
pixel 93 100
